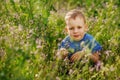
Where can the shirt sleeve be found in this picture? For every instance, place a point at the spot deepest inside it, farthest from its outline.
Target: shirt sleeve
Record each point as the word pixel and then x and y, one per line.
pixel 94 46
pixel 61 45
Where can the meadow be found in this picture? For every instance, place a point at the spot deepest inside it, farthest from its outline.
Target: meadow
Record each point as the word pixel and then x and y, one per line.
pixel 31 30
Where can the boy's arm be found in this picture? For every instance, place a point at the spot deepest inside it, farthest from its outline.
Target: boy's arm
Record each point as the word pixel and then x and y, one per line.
pixel 62 53
pixel 95 57
pixel 77 56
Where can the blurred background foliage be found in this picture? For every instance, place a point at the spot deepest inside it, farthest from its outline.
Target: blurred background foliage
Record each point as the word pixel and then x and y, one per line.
pixel 31 30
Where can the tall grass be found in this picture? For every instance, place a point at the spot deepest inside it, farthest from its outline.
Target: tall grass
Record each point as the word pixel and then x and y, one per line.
pixel 31 30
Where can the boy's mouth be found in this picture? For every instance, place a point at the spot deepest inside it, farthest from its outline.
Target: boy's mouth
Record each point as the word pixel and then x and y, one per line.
pixel 76 35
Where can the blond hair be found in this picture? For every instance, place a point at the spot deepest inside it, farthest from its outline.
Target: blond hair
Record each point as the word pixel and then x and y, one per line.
pixel 73 14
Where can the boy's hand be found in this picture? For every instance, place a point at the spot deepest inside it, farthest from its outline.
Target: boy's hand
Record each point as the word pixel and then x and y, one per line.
pixel 77 56
pixel 62 53
pixel 98 66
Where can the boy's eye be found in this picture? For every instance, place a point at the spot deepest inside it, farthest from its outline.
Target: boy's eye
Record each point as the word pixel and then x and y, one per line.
pixel 71 28
pixel 79 27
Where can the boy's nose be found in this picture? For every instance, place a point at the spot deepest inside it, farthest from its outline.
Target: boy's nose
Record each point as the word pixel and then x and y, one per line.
pixel 75 30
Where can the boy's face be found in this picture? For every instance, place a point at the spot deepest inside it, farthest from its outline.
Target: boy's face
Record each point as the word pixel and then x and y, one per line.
pixel 76 28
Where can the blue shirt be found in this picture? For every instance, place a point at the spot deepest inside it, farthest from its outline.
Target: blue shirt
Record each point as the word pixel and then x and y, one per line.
pixel 74 46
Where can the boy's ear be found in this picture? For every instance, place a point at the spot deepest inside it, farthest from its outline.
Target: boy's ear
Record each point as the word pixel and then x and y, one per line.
pixel 66 30
pixel 86 27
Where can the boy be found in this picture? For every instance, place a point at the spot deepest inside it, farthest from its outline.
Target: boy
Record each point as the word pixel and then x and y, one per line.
pixel 78 42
